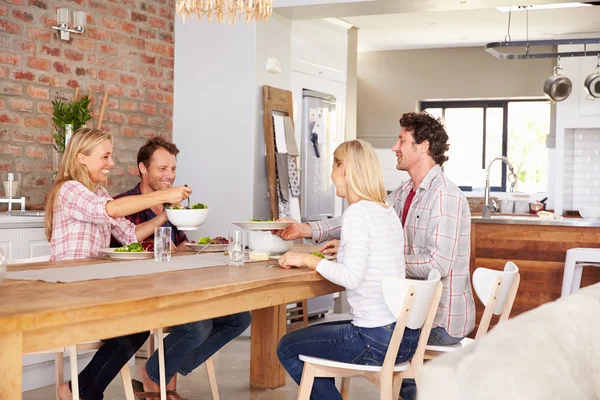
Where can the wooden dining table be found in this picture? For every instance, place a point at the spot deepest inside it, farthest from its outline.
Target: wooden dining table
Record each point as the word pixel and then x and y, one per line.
pixel 36 316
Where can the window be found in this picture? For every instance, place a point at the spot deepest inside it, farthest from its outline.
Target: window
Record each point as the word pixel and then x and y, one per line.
pixel 481 130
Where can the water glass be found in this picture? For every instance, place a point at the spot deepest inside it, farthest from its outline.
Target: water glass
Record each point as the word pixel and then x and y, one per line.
pixel 237 248
pixel 3 263
pixel 162 243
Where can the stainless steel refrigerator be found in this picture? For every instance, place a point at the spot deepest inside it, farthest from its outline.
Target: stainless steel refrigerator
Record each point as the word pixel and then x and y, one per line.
pixel 318 141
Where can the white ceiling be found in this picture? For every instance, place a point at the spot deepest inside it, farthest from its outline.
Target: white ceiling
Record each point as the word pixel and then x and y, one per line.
pixel 470 27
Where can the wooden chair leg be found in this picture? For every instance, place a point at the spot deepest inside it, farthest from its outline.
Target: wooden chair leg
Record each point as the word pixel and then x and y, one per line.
pixel 151 345
pixel 126 379
pixel 212 378
pixel 306 383
pixel 345 388
pixel 74 373
pixel 397 386
pixel 59 370
pixel 161 364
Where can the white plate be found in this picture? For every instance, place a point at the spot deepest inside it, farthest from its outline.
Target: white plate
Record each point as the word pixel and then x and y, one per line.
pixel 262 226
pixel 278 256
pixel 210 249
pixel 117 255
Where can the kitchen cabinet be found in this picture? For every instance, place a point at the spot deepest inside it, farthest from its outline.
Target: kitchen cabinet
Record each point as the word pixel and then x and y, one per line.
pixel 33 243
pixel 10 243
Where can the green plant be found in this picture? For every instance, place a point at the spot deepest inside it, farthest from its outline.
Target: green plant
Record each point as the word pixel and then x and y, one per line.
pixel 75 112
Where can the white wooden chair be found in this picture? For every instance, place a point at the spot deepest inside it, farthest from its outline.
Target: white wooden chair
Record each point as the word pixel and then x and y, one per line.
pixel 415 304
pixel 72 350
pixel 497 291
pixel 575 260
pixel 209 363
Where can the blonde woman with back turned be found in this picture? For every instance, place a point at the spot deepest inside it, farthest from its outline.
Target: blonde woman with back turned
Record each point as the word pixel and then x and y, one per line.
pixel 367 254
pixel 80 218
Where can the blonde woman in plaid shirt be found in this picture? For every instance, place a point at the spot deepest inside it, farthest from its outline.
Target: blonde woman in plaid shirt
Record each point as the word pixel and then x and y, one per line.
pixel 80 218
pixel 437 225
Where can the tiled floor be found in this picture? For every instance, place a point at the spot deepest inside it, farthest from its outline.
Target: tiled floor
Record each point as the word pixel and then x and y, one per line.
pixel 233 370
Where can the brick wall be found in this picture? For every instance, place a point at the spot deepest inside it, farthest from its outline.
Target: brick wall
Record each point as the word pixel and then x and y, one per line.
pixel 127 49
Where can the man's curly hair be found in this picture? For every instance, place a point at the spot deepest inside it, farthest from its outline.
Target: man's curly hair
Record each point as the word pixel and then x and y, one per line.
pixel 426 127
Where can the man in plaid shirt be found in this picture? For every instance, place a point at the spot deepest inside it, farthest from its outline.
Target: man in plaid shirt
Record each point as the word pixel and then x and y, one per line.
pixel 437 225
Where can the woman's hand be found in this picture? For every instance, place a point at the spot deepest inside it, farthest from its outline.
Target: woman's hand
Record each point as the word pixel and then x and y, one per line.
pixel 295 259
pixel 331 248
pixel 176 195
pixel 296 230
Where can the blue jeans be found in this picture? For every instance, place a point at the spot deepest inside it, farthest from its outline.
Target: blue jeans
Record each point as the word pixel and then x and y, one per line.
pixel 189 345
pixel 344 342
pixel 437 337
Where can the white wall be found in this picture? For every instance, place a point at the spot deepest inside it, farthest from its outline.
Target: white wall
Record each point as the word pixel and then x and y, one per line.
pixel 214 122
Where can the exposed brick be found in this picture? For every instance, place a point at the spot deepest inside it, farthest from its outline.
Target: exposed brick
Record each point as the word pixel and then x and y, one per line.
pixel 109 50
pixel 9 58
pixel 169 99
pixel 96 59
pixel 16 2
pixel 23 75
pixel 10 119
pixel 116 90
pixel 166 37
pixel 118 11
pixel 16 151
pixel 148 109
pixel 135 93
pixel 72 83
pixel 49 80
pixel 20 104
pixel 79 2
pixel 98 34
pixel 137 17
pixel 11 89
pixel 166 111
pixel 100 5
pixel 148 34
pixel 157 122
pixel 108 22
pixel 46 139
pixel 166 86
pixel 42 35
pixel 4 134
pixel 4 72
pixel 126 131
pixel 39 4
pixel 118 38
pixel 166 62
pixel 115 63
pixel 61 67
pixel 36 122
pixel 73 55
pixel 133 170
pixel 3 10
pixel 2 104
pixel 128 27
pixel 38 63
pixel 128 80
pixel 149 133
pixel 23 137
pixel 45 108
pixel 50 51
pixel 169 125
pixel 80 71
pixel 22 15
pixel 5 167
pixel 112 103
pixel 48 21
pixel 129 105
pixel 157 22
pixel 116 117
pixel 35 152
pixel 149 84
pixel 152 95
pixel 106 75
pixel 166 13
pixel 138 43
pixel 10 27
pixel 135 120
pixel 147 59
pixel 38 92
pixel 84 44
pixel 97 87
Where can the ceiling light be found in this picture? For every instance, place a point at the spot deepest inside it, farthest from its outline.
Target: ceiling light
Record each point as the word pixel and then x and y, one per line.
pixel 542 7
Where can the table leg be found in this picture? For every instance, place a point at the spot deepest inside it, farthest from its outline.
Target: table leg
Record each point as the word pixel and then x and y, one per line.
pixel 268 326
pixel 11 366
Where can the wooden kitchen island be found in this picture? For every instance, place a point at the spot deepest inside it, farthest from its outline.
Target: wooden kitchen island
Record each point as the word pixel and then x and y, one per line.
pixel 538 248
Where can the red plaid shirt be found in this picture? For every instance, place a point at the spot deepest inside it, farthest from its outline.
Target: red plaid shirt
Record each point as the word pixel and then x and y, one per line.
pixel 177 236
pixel 437 235
pixel 81 226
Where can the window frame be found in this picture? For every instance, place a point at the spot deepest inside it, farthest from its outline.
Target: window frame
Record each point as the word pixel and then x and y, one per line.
pixel 485 104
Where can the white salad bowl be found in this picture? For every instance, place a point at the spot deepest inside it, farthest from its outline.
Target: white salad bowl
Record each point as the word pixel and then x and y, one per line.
pixel 187 220
pixel 266 241
pixel 590 212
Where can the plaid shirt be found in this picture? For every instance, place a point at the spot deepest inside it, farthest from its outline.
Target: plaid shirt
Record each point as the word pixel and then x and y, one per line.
pixel 81 226
pixel 437 235
pixel 177 236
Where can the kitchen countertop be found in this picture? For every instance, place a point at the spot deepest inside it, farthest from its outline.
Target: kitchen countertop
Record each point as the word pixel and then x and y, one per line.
pixel 19 222
pixel 534 220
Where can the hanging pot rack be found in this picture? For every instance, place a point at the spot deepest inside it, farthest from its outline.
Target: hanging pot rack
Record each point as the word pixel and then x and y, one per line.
pixel 493 47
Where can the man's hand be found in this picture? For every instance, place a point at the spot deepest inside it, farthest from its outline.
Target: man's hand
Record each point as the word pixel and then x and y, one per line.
pixel 296 230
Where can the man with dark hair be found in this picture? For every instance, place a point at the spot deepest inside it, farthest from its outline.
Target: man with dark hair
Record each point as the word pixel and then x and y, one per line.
pixel 189 345
pixel 437 225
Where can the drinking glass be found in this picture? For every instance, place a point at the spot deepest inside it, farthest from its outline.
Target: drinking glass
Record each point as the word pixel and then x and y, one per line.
pixel 3 263
pixel 237 247
pixel 162 243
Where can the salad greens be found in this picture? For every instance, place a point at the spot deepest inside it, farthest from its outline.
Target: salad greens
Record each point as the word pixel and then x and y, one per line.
pixel 204 240
pixel 318 254
pixel 197 206
pixel 262 220
pixel 130 248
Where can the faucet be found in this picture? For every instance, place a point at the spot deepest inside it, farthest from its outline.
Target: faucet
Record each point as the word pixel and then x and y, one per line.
pixel 488 208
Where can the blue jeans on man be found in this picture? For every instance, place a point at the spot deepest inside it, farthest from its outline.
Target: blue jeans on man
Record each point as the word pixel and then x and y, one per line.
pixel 437 337
pixel 344 342
pixel 189 345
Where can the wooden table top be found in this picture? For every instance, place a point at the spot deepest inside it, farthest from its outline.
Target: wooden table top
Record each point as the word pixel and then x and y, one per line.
pixel 34 305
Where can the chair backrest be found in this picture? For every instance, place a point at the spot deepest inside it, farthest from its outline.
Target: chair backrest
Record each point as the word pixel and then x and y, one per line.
pixel 486 281
pixel 395 290
pixel 28 260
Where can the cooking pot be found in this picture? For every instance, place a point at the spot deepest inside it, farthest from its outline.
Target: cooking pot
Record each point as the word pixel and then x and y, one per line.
pixel 557 87
pixel 592 84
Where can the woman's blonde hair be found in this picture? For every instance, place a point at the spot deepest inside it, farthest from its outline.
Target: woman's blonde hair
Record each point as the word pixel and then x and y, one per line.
pixel 83 141
pixel 363 171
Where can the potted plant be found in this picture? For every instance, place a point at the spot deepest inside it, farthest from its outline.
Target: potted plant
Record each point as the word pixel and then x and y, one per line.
pixel 76 113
